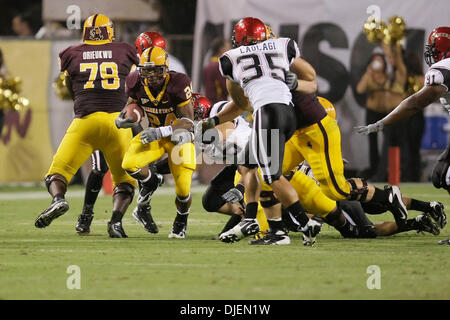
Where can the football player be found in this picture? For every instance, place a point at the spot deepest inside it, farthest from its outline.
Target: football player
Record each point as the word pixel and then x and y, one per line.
pixel 436 86
pixel 95 73
pixel 141 214
pixel 354 211
pixel 166 98
pixel 154 39
pixel 254 69
pixel 225 192
pixel 318 142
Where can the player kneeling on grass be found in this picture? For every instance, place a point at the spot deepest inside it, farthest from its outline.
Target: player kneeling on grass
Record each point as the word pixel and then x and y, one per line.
pixel 165 96
pixel 97 102
pixel 227 144
pixel 354 211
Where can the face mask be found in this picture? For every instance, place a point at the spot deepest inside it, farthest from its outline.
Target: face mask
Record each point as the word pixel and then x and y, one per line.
pixel 377 65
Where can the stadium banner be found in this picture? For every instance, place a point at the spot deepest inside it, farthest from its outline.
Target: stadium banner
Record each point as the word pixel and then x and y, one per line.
pixel 331 37
pixel 25 147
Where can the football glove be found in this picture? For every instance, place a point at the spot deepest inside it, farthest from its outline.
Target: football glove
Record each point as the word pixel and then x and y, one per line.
pixel 233 195
pixel 151 134
pixel 373 127
pixel 181 136
pixel 122 122
pixel 290 78
pixel 206 124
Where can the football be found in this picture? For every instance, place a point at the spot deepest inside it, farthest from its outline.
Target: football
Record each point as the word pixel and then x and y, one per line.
pixel 135 112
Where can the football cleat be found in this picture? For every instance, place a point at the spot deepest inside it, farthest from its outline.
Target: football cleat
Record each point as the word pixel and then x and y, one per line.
pixel 84 223
pixel 425 224
pixel 246 227
pixel 279 237
pixel 142 214
pixel 396 205
pixel 115 230
pixel 145 195
pixel 56 209
pixel 178 230
pixel 310 231
pixel 438 214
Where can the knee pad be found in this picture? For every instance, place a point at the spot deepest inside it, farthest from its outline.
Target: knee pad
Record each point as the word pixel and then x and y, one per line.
pixel 269 200
pixel 438 177
pixel 355 191
pixel 55 177
pixel 125 189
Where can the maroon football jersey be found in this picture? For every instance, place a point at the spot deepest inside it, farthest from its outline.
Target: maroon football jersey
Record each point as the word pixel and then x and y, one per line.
pixel 160 106
pixel 214 82
pixel 307 109
pixel 97 74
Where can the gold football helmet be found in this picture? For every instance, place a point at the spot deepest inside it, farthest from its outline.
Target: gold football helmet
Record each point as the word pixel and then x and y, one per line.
pixel 270 33
pixel 154 65
pixel 98 27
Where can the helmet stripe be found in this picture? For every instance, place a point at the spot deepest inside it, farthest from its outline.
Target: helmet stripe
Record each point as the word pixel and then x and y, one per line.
pixel 93 20
pixel 150 54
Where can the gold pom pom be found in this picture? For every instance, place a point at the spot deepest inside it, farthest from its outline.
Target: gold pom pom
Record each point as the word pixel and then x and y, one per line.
pixel 9 94
pixel 395 31
pixel 59 85
pixel 374 30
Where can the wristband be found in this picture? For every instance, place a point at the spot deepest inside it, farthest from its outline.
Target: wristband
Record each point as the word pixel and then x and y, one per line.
pixel 166 131
pixel 240 187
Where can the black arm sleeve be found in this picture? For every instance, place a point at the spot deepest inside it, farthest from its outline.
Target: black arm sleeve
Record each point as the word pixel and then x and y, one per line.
pixel 291 51
pixel 226 66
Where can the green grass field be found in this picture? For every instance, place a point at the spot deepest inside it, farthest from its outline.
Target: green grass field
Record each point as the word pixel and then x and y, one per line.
pixel 34 262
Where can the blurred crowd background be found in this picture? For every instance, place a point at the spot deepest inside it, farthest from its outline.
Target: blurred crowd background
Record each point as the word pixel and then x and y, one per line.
pixel 363 72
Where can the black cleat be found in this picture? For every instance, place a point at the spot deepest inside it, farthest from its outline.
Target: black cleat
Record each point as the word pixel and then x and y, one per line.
pixel 425 224
pixel 396 205
pixel 142 214
pixel 115 230
pixel 438 214
pixel 178 230
pixel 278 237
pixel 84 223
pixel 246 227
pixel 310 231
pixel 56 209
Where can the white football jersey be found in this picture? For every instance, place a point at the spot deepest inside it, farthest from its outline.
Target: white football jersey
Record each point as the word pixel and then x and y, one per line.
pixel 439 74
pixel 260 70
pixel 234 146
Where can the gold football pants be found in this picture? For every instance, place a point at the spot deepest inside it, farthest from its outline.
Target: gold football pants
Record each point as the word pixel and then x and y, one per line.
pixel 181 160
pixel 96 131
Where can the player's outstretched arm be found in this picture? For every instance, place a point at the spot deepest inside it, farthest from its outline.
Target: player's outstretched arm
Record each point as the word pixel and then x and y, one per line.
pixel 306 76
pixel 406 108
